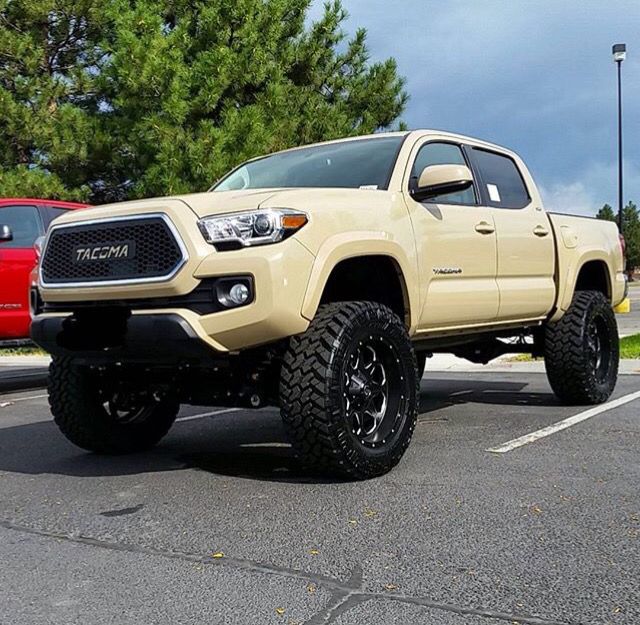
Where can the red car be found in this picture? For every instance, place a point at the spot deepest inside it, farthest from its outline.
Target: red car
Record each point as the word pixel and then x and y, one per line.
pixel 22 221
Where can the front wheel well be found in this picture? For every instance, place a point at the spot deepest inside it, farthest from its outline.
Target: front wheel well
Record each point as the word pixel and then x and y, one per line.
pixel 376 278
pixel 594 276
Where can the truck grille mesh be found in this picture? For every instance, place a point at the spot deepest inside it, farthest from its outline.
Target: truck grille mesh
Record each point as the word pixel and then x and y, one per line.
pixel 96 252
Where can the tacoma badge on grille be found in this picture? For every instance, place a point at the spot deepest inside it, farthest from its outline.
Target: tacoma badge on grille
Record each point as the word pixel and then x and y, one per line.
pixel 124 249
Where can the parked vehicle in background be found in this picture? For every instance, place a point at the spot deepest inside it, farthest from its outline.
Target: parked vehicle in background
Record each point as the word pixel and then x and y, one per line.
pixel 318 280
pixel 22 221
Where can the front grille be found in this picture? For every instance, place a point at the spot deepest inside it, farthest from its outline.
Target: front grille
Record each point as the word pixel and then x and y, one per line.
pixel 125 249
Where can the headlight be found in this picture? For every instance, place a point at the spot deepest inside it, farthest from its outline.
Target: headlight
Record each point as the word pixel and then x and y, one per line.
pixel 251 228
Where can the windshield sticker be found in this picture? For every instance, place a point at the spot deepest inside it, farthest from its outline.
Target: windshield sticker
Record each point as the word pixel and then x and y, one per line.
pixel 494 194
pixel 369 187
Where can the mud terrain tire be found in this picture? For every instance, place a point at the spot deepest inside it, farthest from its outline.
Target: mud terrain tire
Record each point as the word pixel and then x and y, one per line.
pixel 582 351
pixel 349 390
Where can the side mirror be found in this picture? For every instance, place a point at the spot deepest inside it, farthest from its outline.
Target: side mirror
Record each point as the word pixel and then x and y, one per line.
pixel 5 233
pixel 442 179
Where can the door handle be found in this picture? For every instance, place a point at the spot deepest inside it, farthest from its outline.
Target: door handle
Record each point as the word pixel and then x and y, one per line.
pixel 540 231
pixel 485 227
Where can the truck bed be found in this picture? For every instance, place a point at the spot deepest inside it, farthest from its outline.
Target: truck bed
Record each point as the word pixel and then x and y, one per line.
pixel 598 242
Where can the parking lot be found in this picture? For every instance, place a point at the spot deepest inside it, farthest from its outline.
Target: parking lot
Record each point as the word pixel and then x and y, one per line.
pixel 630 323
pixel 217 525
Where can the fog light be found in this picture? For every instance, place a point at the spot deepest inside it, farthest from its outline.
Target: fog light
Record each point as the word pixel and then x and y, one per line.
pixel 235 291
pixel 239 293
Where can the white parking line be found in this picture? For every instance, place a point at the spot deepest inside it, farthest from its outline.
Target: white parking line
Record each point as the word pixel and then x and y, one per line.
pixel 563 425
pixel 13 401
pixel 207 414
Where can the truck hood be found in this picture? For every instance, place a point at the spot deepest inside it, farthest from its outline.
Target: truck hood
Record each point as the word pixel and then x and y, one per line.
pixel 305 199
pixel 217 203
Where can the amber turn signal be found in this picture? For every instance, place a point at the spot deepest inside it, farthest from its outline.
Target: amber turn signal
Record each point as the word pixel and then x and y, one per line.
pixel 293 222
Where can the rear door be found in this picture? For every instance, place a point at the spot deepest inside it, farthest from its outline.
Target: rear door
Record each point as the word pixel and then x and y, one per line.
pixel 17 259
pixel 526 248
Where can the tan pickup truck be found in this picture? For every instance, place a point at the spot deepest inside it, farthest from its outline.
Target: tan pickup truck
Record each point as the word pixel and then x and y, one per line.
pixel 319 280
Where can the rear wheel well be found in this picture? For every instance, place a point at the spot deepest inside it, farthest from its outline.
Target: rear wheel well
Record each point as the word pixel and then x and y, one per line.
pixel 594 276
pixel 368 278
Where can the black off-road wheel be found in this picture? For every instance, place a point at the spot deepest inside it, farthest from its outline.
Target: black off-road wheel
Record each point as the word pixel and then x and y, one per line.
pixel 582 351
pixel 349 391
pixel 96 416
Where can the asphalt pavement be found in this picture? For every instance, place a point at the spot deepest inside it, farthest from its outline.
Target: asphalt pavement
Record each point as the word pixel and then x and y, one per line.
pixel 218 525
pixel 15 374
pixel 630 323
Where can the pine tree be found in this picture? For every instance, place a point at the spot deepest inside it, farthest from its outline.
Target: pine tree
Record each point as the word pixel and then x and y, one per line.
pixel 133 98
pixel 48 62
pixel 630 229
pixel 606 213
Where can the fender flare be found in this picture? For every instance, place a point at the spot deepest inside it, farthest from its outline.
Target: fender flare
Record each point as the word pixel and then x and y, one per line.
pixel 568 276
pixel 347 245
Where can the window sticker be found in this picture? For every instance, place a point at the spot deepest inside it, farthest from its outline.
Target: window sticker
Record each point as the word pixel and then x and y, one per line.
pixel 494 194
pixel 369 187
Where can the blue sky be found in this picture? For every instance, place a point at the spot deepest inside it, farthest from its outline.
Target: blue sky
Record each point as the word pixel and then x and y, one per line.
pixel 534 75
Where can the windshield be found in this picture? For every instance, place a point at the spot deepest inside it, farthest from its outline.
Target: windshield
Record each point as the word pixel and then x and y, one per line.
pixel 363 163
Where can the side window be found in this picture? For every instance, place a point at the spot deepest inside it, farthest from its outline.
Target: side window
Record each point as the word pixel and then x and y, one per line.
pixel 49 213
pixel 25 225
pixel 443 154
pixel 502 180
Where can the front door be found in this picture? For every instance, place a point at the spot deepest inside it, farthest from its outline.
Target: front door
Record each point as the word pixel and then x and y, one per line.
pixel 17 259
pixel 456 242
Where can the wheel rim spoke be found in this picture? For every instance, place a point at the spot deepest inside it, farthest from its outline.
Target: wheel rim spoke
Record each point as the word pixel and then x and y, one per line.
pixel 366 390
pixel 123 411
pixel 598 349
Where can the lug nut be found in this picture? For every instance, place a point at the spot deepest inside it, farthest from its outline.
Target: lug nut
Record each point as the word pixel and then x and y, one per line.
pixel 255 400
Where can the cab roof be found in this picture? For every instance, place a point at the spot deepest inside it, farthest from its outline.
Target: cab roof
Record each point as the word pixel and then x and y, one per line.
pixel 26 201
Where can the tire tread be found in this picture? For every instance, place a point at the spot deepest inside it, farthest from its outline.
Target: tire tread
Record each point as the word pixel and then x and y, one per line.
pixel 565 358
pixel 314 427
pixel 83 421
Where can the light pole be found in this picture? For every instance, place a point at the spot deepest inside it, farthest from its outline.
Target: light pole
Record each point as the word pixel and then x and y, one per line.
pixel 619 54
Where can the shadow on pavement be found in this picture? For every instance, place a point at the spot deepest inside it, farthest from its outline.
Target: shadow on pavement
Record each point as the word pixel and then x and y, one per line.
pixel 246 445
pixel 250 445
pixel 16 378
pixel 436 394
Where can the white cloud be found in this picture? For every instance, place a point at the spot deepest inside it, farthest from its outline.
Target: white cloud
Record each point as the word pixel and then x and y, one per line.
pixel 573 197
pixel 535 76
pixel 597 186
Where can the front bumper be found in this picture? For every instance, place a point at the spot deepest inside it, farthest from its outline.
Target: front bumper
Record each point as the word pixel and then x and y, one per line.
pixel 279 274
pixel 164 338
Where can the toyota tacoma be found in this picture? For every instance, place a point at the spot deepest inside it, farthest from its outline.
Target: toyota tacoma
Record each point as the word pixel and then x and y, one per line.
pixel 318 280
